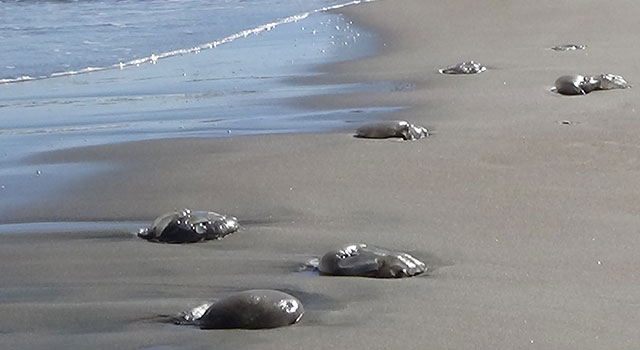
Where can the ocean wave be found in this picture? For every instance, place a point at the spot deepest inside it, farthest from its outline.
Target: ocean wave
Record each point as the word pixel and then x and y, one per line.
pixel 154 58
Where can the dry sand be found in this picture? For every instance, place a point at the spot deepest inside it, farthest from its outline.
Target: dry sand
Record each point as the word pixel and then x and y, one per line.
pixel 531 225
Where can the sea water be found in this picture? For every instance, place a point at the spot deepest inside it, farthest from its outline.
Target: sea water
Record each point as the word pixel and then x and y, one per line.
pixel 81 73
pixel 45 38
pixel 76 73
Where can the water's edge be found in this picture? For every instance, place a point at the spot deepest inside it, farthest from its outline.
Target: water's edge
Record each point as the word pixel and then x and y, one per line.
pixel 23 183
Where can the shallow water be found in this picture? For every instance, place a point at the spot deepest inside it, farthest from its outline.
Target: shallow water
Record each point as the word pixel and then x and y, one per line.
pixel 235 88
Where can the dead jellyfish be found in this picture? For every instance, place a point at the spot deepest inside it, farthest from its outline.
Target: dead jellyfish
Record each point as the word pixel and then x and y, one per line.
pixel 581 85
pixel 369 261
pixel 188 226
pixel 469 67
pixel 569 47
pixel 394 128
pixel 250 309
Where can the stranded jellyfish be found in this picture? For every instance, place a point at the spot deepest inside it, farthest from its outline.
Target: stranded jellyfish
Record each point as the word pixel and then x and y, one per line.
pixel 582 85
pixel 394 128
pixel 369 261
pixel 469 67
pixel 188 226
pixel 250 309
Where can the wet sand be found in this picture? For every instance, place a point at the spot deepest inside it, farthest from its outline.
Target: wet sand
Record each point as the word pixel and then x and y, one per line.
pixel 530 224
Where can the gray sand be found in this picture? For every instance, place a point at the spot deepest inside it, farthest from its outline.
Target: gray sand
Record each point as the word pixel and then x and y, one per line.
pixel 531 224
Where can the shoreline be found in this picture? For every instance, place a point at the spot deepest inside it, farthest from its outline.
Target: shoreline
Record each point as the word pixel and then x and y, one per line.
pixel 530 224
pixel 180 97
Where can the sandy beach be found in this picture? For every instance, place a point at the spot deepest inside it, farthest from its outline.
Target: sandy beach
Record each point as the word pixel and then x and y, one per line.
pixel 529 225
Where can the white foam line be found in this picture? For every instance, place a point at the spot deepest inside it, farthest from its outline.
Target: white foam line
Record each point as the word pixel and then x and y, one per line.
pixel 153 59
